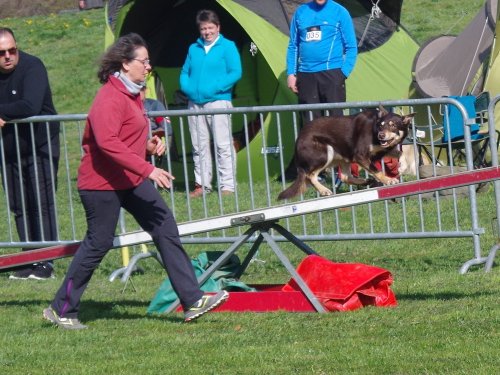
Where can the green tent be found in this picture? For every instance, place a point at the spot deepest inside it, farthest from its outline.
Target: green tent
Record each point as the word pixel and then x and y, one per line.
pixel 260 30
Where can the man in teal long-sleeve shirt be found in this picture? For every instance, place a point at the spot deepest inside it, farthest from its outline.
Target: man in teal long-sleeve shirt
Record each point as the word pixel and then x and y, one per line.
pixel 211 69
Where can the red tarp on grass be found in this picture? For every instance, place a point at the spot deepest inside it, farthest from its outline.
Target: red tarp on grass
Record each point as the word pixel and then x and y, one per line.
pixel 345 286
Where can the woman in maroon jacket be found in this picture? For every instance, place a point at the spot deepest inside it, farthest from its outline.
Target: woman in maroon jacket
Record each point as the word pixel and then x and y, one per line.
pixel 114 173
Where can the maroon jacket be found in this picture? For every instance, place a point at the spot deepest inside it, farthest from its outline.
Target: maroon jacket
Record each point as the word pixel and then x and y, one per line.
pixel 114 141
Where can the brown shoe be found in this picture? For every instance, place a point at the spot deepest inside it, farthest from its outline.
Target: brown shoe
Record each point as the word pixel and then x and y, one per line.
pixel 198 191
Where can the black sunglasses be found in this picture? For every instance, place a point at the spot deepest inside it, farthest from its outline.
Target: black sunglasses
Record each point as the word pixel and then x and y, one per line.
pixel 11 51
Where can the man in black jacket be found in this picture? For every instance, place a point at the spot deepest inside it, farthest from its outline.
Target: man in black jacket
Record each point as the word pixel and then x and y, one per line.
pixel 30 174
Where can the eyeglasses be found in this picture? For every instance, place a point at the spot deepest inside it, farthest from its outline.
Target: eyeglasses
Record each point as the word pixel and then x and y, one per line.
pixel 11 51
pixel 145 62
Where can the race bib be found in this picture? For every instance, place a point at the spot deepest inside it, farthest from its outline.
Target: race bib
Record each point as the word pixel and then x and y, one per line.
pixel 313 34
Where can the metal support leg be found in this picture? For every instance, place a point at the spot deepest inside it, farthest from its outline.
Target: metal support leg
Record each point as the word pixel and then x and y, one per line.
pixel 472 262
pixel 249 257
pixel 263 228
pixel 135 259
pixel 294 240
pixel 491 258
pixel 132 265
pixel 116 273
pixel 220 261
pixel 300 282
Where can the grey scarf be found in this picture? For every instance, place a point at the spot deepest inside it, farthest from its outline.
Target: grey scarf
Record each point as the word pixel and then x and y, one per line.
pixel 132 87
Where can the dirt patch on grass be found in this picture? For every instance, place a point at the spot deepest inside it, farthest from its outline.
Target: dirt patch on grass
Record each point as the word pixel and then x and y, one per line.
pixel 28 8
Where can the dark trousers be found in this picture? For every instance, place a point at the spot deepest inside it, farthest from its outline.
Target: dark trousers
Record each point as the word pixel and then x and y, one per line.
pixel 321 87
pixel 31 187
pixel 327 86
pixel 102 209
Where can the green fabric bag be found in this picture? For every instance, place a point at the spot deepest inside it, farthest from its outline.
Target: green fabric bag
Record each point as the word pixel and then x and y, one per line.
pixel 223 278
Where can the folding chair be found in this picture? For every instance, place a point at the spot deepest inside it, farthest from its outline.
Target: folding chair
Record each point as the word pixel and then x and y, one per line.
pixel 452 128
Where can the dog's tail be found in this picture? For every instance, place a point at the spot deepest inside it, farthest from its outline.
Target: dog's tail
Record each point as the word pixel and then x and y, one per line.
pixel 297 187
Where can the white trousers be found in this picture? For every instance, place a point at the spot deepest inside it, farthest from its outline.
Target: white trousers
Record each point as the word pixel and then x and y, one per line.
pixel 202 127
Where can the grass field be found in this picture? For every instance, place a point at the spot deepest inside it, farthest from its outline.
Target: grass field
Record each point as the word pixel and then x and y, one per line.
pixel 445 323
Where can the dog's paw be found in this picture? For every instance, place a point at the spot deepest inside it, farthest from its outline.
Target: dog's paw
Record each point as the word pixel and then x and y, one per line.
pixel 391 181
pixel 325 193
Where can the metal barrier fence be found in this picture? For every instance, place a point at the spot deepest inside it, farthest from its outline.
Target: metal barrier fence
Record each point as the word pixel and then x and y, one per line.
pixel 261 164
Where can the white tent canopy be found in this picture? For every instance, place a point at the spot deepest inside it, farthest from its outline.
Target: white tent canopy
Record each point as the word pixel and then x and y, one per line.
pixel 449 65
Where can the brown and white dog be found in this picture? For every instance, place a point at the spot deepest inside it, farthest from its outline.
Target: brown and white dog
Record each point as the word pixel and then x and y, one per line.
pixel 339 141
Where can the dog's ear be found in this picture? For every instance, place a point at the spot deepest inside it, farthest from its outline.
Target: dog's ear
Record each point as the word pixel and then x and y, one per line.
pixel 407 118
pixel 382 112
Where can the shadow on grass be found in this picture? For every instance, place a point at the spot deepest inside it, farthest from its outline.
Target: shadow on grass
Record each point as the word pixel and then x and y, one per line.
pixel 97 310
pixel 94 310
pixel 440 296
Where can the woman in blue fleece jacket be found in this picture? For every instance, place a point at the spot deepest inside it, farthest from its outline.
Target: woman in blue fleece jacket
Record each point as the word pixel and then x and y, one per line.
pixel 211 69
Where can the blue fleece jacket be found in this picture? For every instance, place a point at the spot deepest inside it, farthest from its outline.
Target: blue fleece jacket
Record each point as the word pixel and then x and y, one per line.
pixel 322 37
pixel 206 77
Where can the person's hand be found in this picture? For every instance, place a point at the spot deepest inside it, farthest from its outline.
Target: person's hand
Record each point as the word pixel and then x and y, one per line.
pixel 292 83
pixel 2 123
pixel 155 146
pixel 162 178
